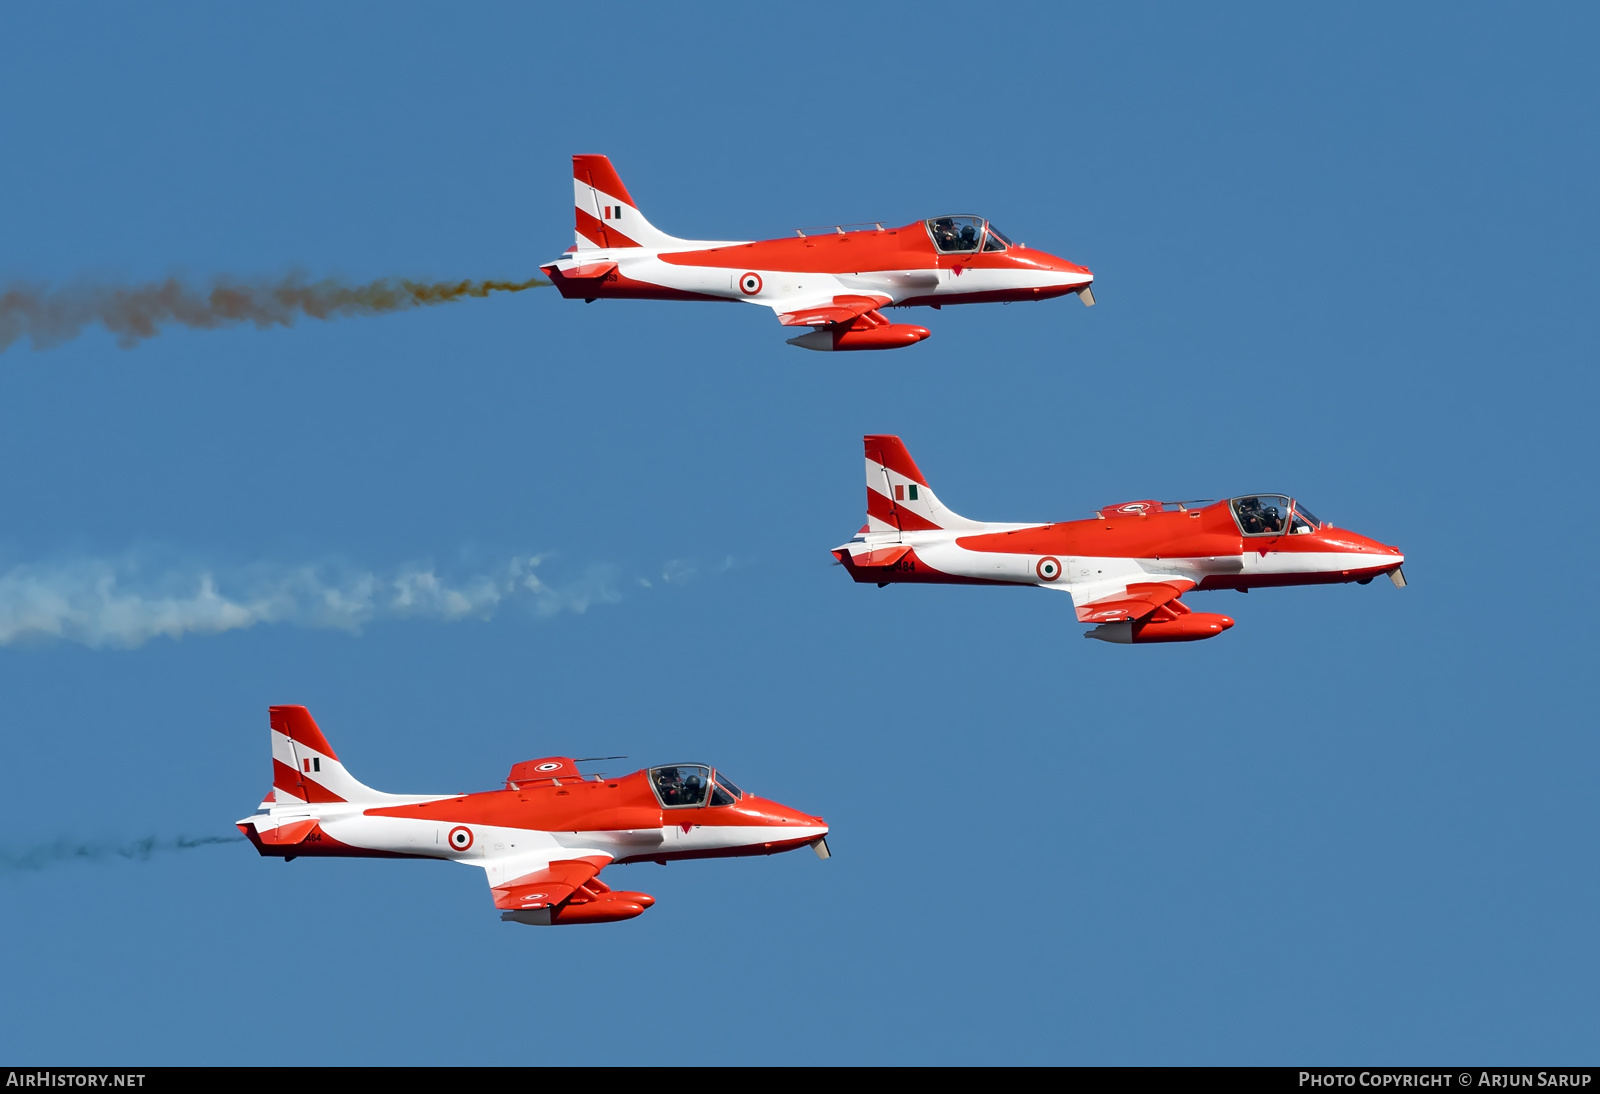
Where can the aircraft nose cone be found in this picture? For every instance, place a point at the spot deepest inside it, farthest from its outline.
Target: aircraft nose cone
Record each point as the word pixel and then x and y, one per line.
pixel 1342 539
pixel 1061 265
pixel 1224 621
pixel 782 816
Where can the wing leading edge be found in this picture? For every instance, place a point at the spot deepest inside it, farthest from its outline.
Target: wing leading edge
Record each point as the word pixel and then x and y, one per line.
pixel 1137 600
pixel 541 891
pixel 841 309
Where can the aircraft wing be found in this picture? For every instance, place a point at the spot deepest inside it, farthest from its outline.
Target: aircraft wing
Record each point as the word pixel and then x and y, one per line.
pixel 827 313
pixel 543 879
pixel 1134 601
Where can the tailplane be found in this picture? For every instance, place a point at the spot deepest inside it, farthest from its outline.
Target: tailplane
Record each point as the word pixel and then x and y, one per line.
pixel 605 211
pixel 305 769
pixel 898 496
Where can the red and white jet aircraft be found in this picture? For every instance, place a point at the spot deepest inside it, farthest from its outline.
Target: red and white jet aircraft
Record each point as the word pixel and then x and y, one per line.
pixel 1126 569
pixel 542 840
pixel 836 281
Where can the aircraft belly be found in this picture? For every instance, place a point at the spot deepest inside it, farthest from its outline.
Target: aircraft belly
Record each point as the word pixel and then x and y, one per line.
pixel 706 280
pixel 398 834
pixel 895 283
pixel 620 843
pixel 786 287
pixel 946 557
pixel 1089 571
pixel 493 841
pixel 778 287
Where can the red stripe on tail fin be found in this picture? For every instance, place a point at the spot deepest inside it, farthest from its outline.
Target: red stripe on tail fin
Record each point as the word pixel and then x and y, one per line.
pixel 598 172
pixel 891 452
pixel 606 235
pixel 297 724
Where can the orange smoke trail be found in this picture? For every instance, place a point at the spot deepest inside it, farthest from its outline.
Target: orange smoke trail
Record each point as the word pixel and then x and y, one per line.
pixel 49 317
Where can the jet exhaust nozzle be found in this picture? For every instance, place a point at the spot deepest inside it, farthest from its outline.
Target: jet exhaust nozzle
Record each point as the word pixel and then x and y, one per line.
pixel 892 336
pixel 1190 627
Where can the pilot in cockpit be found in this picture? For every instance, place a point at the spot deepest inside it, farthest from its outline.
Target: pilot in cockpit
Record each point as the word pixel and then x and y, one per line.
pixel 1272 517
pixel 1251 519
pixel 1257 519
pixel 670 783
pixel 950 236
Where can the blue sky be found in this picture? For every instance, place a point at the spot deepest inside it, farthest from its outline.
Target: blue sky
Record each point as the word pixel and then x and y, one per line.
pixel 1345 254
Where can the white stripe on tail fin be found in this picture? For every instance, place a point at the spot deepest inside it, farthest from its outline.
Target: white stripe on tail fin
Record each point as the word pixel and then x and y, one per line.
pixel 898 496
pixel 305 767
pixel 605 213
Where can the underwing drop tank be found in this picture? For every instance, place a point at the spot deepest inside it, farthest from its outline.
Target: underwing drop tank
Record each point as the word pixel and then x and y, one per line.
pixel 1189 627
pixel 889 336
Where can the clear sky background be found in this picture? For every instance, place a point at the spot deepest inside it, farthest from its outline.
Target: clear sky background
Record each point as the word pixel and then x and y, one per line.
pixel 1344 253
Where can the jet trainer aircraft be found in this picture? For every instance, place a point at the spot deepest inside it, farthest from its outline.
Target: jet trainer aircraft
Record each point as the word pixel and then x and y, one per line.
pixel 542 840
pixel 834 281
pixel 1126 569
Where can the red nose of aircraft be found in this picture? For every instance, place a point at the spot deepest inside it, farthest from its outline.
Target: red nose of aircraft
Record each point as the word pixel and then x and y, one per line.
pixel 1342 539
pixel 779 815
pixel 1075 278
pixel 1063 266
pixel 789 829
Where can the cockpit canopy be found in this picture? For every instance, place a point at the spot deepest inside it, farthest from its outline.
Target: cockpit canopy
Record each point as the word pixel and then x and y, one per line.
pixel 691 785
pixel 965 234
pixel 1272 515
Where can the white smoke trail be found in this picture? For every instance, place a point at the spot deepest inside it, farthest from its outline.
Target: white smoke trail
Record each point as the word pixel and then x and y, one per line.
pixel 125 602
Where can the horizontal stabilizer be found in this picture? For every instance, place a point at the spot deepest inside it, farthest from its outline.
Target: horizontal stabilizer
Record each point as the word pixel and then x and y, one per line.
pixel 886 556
pixel 589 271
pixel 286 834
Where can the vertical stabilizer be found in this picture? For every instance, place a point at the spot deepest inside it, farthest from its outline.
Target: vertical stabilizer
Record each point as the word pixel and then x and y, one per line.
pixel 304 766
pixel 605 212
pixel 898 495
